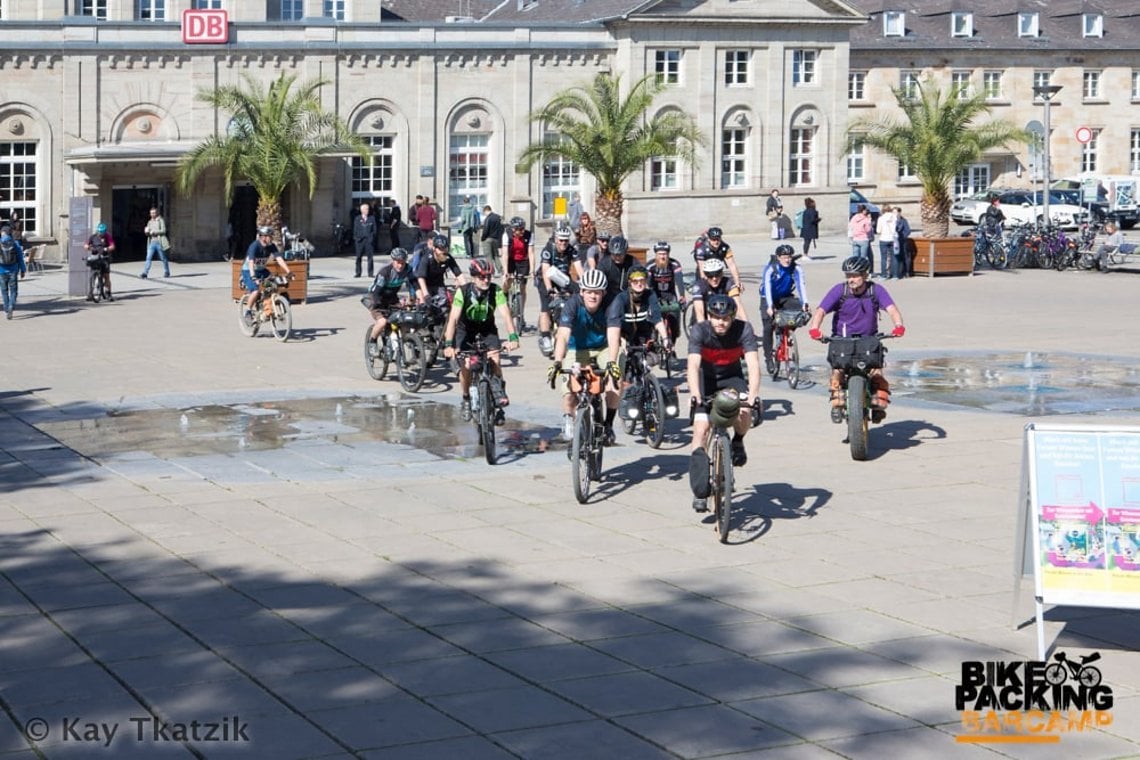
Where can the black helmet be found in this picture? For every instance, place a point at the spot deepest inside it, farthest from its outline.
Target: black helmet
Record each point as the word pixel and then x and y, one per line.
pixel 856 265
pixel 604 235
pixel 399 254
pixel 662 245
pixel 618 245
pixel 720 305
pixel 714 233
pixel 785 250
pixel 265 230
pixel 440 241
pixel 518 223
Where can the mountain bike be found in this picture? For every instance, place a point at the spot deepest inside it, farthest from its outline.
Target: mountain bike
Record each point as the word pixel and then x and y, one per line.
pixel 587 444
pixel 786 352
pixel 989 248
pixel 380 353
pixel 855 358
pixel 487 389
pixel 98 288
pixel 645 401
pixel 408 328
pixel 271 305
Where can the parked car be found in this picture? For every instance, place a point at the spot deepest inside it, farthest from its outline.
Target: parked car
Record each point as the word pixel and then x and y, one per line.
pixel 855 199
pixel 969 210
pixel 1025 207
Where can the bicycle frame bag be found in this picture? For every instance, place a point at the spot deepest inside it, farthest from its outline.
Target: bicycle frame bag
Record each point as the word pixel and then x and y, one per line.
pixel 860 353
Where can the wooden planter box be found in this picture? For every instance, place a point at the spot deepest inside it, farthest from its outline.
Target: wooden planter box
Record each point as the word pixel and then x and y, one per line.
pixel 639 253
pixel 943 256
pixel 298 290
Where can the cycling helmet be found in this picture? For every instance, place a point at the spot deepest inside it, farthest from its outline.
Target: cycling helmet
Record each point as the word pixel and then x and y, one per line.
pixel 619 246
pixel 479 268
pixel 662 245
pixel 785 250
pixel 518 223
pixel 593 279
pixel 720 305
pixel 265 230
pixel 712 266
pixel 440 241
pixel 562 233
pixel 637 272
pixel 856 265
pixel 604 235
pixel 399 254
pixel 101 228
pixel 714 233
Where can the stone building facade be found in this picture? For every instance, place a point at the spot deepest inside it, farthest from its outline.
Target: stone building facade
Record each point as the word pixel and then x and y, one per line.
pixel 99 101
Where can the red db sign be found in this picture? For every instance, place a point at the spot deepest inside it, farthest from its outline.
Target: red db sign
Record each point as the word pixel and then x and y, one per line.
pixel 205 27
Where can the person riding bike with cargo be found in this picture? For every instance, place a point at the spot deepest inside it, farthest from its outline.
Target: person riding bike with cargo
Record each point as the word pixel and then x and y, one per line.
pixel 716 348
pixel 431 271
pixel 102 244
pixel 384 293
pixel 635 317
pixel 519 257
pixel 782 288
pixel 856 303
pixel 256 266
pixel 555 262
pixel 582 336
pixel 666 277
pixel 472 317
pixel 616 267
pixel 714 282
pixel 714 246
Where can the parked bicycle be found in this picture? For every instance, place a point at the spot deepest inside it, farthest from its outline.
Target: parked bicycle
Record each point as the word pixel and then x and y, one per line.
pixel 646 402
pixel 342 237
pixel 98 279
pixel 485 411
pixel 588 441
pixel 296 247
pixel 271 304
pixel 786 351
pixel 855 358
pixel 989 248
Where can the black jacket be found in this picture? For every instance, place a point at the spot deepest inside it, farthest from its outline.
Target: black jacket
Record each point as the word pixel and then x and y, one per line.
pixel 492 227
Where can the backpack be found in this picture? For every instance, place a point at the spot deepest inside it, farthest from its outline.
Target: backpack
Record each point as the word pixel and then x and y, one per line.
pixel 870 292
pixel 8 253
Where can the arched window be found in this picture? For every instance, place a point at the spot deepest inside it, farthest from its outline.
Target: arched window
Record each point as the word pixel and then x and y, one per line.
pixel 21 171
pixel 735 135
pixel 468 159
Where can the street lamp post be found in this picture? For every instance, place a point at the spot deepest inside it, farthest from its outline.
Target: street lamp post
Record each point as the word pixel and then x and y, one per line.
pixel 1046 92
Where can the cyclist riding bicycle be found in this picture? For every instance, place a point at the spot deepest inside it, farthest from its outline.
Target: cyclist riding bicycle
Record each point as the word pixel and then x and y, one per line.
pixel 782 288
pixel 435 262
pixel 256 266
pixel 385 290
pixel 557 256
pixel 635 317
pixel 616 267
pixel 668 281
pixel 714 282
pixel 102 244
pixel 581 338
pixel 716 348
pixel 714 246
pixel 856 304
pixel 472 317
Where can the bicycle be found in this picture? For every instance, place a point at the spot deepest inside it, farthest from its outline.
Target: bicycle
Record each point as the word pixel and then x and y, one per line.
pixel 380 353
pixel 674 307
pixel 646 401
pixel 989 249
pixel 514 285
pixel 718 446
pixel 98 288
pixel 855 357
pixel 296 247
pixel 1082 672
pixel 487 387
pixel 408 327
pixel 271 305
pixel 588 441
pixel 786 353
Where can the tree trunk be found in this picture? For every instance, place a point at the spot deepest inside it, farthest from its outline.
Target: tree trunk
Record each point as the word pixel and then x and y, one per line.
pixel 269 215
pixel 935 217
pixel 609 210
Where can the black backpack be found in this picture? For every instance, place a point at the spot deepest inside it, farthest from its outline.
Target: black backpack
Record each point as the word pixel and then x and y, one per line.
pixel 8 253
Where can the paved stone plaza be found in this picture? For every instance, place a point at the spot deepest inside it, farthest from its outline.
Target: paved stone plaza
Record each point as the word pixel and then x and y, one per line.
pixel 204 527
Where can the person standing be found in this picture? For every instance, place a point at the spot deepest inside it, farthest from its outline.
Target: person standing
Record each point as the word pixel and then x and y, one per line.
pixel 773 205
pixel 364 236
pixel 888 237
pixel 809 226
pixel 859 233
pixel 902 247
pixel 468 225
pixel 413 215
pixel 11 266
pixel 574 212
pixel 425 219
pixel 394 223
pixel 492 238
pixel 157 242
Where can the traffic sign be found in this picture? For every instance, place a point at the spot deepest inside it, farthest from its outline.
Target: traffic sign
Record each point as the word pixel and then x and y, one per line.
pixel 1084 135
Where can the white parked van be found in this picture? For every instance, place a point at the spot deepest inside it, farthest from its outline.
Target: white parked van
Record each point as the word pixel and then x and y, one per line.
pixel 1117 196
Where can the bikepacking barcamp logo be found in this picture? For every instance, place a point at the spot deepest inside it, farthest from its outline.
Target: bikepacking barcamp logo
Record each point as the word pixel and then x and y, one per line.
pixel 1031 702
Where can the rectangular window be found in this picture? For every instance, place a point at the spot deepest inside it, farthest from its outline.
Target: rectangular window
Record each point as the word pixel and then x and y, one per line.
pixel 1091 85
pixel 735 67
pixel 207 5
pixel 906 174
pixel 152 10
pixel 561 178
pixel 292 10
pixel 18 183
pixel 1041 79
pixel 733 158
pixel 467 170
pixel 991 85
pixel 856 162
pixel 961 24
pixel 1092 25
pixel 1134 152
pixel 374 181
pixel 667 66
pixel 664 174
pixel 1088 153
pixel 95 8
pixel 801 158
pixel 908 84
pixel 971 180
pixel 856 85
pixel 894 23
pixel 1027 24
pixel 1136 85
pixel 803 67
pixel 960 82
pixel 334 9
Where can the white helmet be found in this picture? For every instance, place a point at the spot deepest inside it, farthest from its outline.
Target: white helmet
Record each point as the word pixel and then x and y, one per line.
pixel 593 279
pixel 712 266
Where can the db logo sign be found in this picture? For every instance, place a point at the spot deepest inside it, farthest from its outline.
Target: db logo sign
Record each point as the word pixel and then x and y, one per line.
pixel 205 27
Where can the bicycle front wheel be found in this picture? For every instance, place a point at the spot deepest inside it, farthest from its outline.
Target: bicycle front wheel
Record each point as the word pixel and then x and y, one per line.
pixel 248 323
pixel 411 364
pixel 95 286
pixel 722 486
pixel 857 416
pixel 688 318
pixel 580 454
pixel 653 411
pixel 375 355
pixel 487 408
pixel 515 304
pixel 282 318
pixel 793 362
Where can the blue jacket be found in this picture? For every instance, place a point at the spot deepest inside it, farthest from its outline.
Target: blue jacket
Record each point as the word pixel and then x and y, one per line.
pixel 17 264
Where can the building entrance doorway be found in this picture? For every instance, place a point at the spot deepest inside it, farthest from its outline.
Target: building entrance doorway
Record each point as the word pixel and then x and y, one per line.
pixel 130 211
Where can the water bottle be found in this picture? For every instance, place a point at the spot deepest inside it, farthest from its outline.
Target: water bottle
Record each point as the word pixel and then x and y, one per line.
pixel 475 401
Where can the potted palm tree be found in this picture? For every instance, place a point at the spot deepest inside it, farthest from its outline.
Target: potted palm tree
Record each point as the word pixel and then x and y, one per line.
pixel 937 136
pixel 608 136
pixel 275 139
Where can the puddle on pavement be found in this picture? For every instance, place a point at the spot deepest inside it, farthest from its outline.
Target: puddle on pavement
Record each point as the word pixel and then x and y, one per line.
pixel 1032 384
pixel 235 428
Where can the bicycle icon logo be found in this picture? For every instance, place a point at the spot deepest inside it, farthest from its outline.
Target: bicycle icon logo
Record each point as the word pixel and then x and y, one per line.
pixel 1083 673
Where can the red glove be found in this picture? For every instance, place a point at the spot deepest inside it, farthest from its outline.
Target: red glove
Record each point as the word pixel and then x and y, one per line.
pixel 814 334
pixel 899 331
